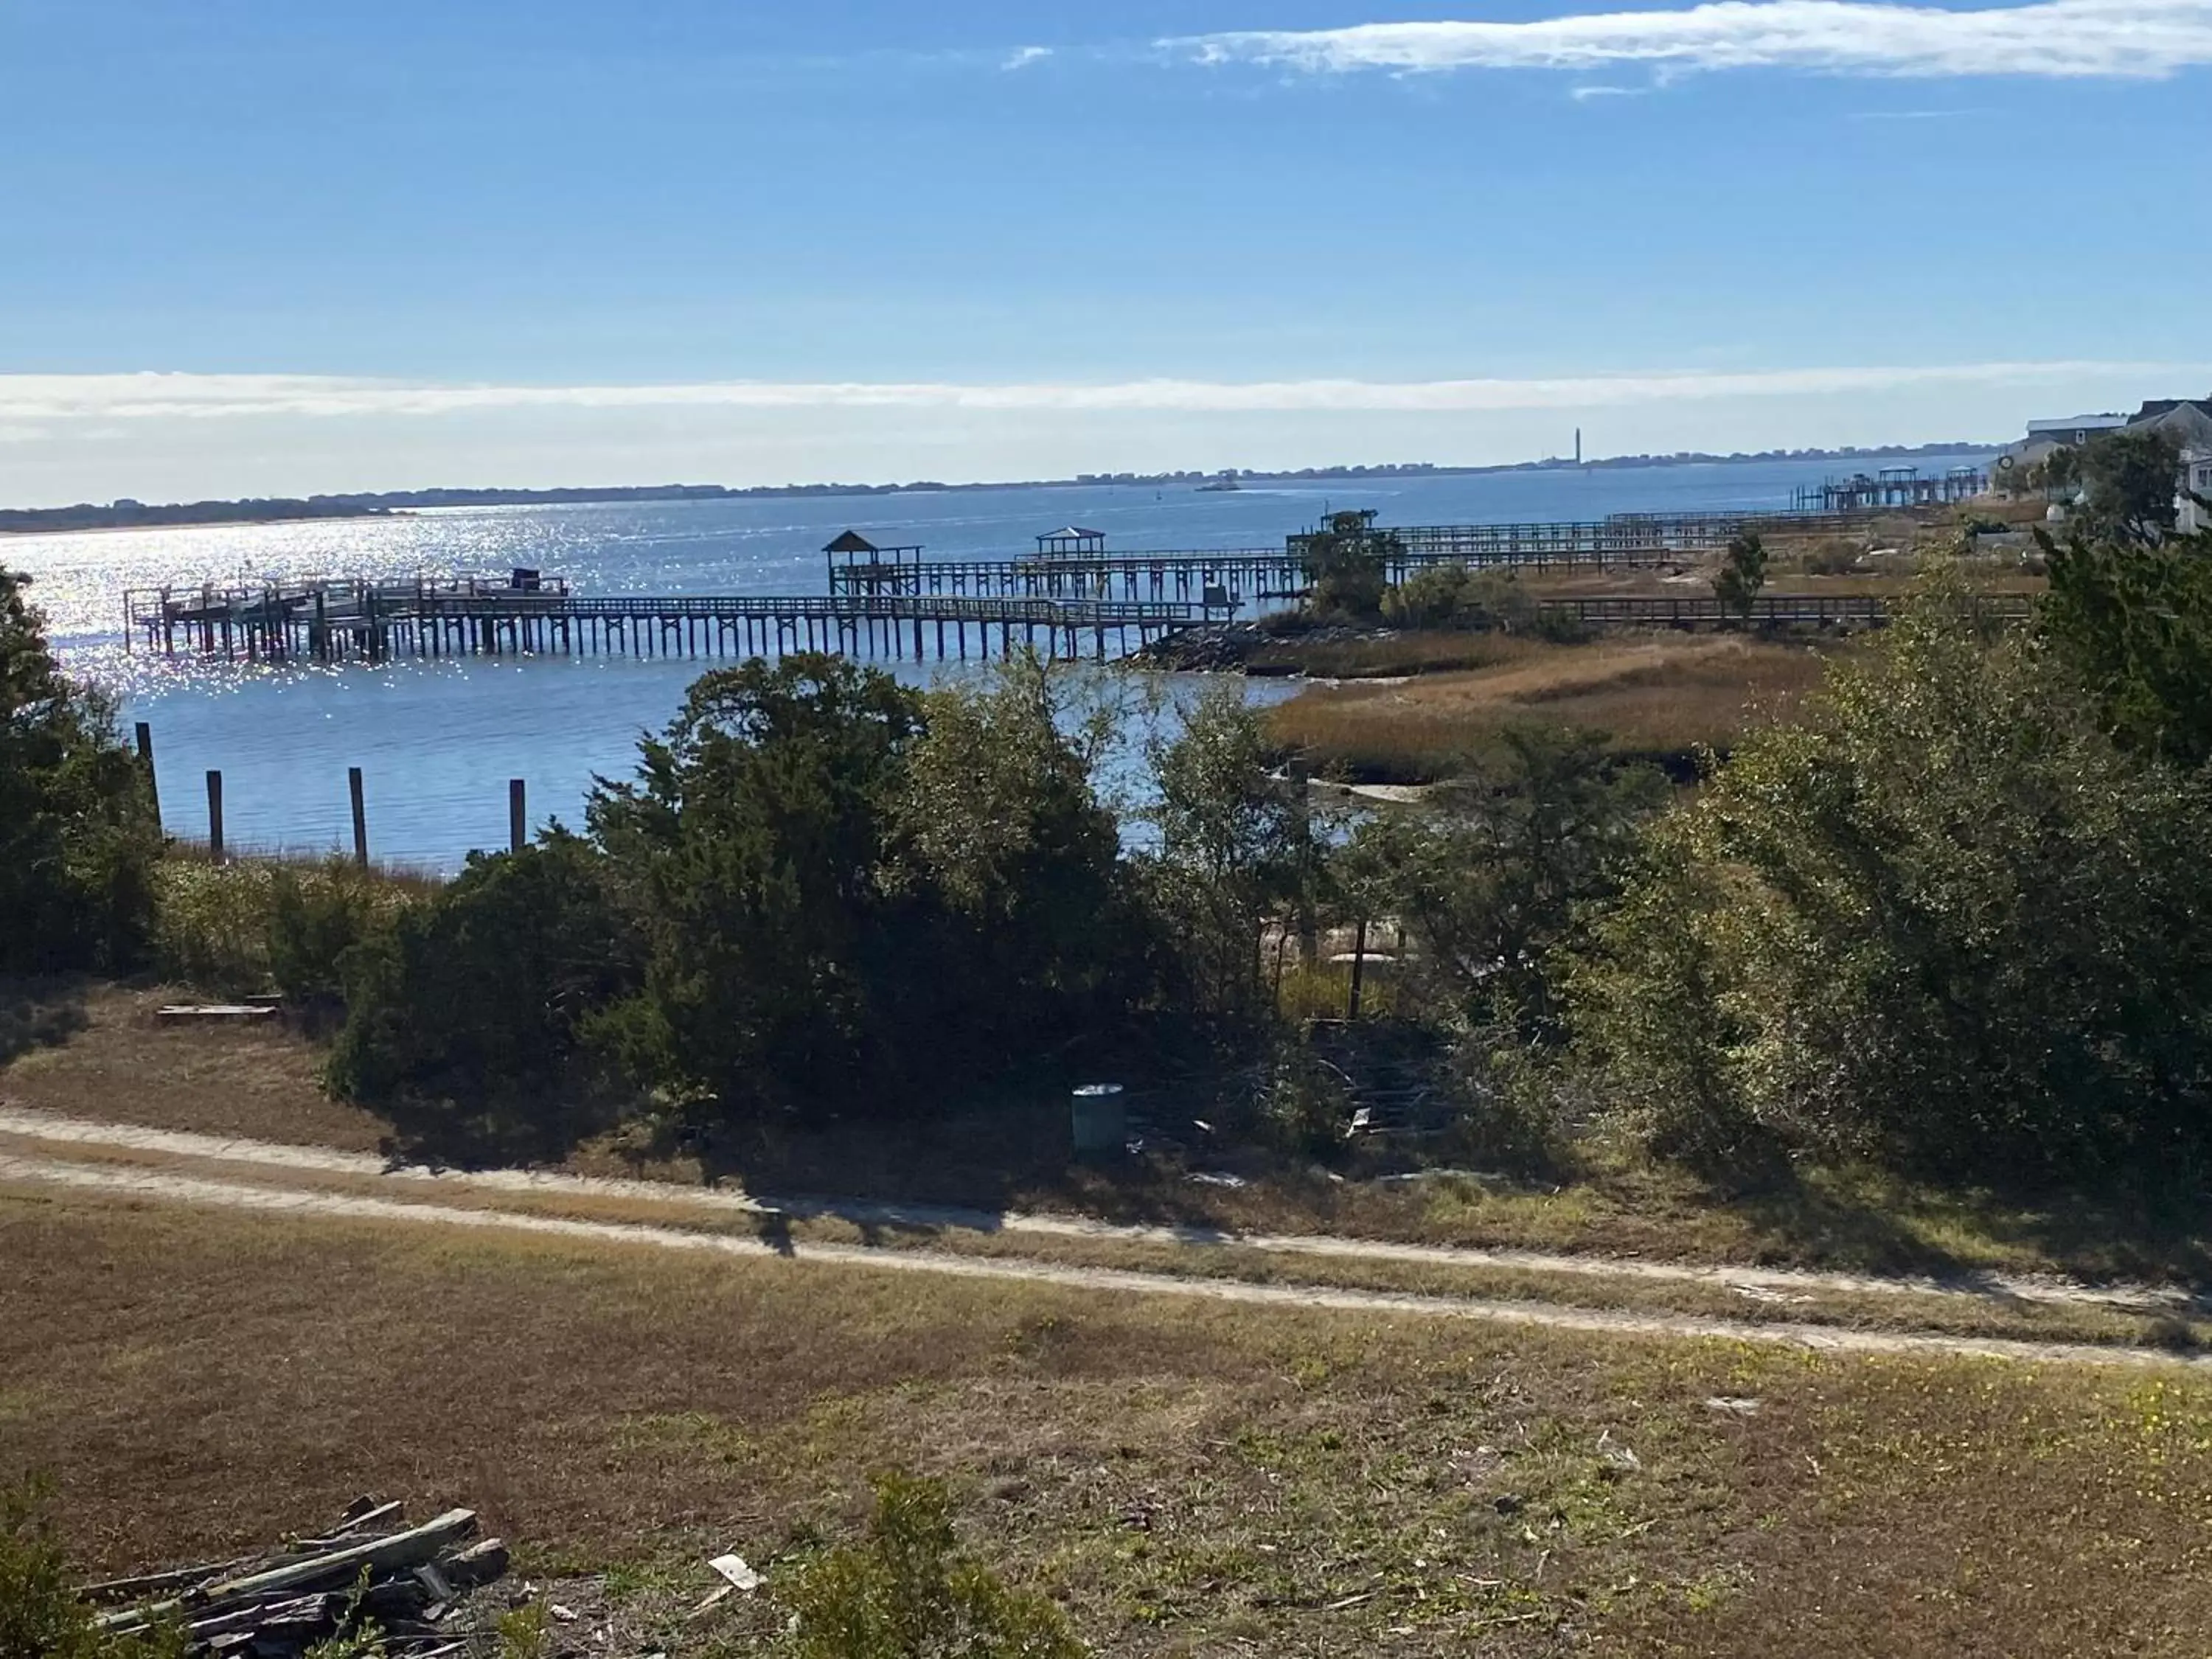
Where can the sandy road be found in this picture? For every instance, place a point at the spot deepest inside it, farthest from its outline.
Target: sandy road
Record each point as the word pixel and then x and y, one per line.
pixel 40 1170
pixel 53 1131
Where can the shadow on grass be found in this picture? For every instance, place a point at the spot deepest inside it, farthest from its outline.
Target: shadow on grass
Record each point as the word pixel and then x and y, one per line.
pixel 40 1013
pixel 539 1129
pixel 1867 1219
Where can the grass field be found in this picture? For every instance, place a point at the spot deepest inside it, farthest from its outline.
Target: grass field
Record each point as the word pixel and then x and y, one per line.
pixel 1184 1478
pixel 1650 694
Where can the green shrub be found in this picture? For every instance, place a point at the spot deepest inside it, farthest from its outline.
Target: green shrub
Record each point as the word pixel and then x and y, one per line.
pixel 40 1614
pixel 1304 1105
pixel 256 924
pixel 211 924
pixel 1430 596
pixel 1946 924
pixel 906 1592
pixel 478 996
pixel 1831 559
pixel 77 833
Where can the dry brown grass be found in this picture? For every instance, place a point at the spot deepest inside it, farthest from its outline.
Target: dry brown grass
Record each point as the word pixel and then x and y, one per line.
pixel 257 1081
pixel 1185 1478
pixel 1650 693
pixel 1410 651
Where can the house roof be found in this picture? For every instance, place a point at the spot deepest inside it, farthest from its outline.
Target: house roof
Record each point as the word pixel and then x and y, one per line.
pixel 1072 532
pixel 2077 423
pixel 2157 406
pixel 851 542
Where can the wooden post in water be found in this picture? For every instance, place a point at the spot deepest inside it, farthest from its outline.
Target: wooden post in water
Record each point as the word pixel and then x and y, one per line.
pixel 215 815
pixel 360 817
pixel 517 825
pixel 1359 963
pixel 145 735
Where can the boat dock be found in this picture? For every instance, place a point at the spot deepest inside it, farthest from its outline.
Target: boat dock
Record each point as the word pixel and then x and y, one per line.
pixel 1892 487
pixel 332 621
pixel 1072 598
pixel 1076 564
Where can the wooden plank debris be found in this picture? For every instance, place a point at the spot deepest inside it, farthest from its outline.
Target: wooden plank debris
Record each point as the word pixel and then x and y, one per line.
pixel 369 1570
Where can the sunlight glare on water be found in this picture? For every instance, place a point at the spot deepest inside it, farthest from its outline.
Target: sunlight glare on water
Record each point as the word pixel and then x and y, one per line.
pixel 437 740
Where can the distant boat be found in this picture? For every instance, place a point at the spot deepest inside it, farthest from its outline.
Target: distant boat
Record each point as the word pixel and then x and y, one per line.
pixel 1218 485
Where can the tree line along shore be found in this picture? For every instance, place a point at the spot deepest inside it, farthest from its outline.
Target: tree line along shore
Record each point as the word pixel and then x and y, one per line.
pixel 127 515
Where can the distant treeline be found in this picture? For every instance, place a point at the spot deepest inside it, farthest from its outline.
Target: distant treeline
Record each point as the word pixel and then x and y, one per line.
pixel 128 514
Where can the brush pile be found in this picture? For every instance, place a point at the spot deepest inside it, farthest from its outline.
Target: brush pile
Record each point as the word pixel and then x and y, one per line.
pixel 370 1575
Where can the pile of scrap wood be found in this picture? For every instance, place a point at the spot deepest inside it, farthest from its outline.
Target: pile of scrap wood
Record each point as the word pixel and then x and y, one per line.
pixel 370 1570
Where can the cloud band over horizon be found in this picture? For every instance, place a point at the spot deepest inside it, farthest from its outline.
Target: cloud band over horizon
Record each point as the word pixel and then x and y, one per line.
pixel 28 400
pixel 2131 40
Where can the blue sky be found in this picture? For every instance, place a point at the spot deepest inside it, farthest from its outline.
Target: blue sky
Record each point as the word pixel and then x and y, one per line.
pixel 921 239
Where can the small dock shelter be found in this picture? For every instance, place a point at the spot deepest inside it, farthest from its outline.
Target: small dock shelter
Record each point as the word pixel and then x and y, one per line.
pixel 857 565
pixel 1071 542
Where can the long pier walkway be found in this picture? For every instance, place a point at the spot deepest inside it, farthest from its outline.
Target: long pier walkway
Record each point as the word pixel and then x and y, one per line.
pixel 1071 599
pixel 1081 567
pixel 332 621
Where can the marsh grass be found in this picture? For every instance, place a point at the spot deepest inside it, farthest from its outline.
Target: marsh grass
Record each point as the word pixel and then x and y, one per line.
pixel 1651 694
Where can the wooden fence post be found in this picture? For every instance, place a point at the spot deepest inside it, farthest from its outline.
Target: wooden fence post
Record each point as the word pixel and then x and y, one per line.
pixel 215 815
pixel 517 818
pixel 145 734
pixel 1358 966
pixel 360 817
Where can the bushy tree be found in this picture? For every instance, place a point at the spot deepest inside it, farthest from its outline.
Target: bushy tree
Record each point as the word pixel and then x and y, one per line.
pixel 77 833
pixel 1945 922
pixel 1742 574
pixel 1490 879
pixel 999 825
pixel 1431 597
pixel 1452 596
pixel 1347 565
pixel 1236 844
pixel 2131 479
pixel 473 1002
pixel 754 841
pixel 2132 620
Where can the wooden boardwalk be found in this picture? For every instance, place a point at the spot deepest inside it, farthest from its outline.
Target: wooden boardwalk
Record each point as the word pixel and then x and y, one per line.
pixel 333 621
pixel 892 602
pixel 1238 575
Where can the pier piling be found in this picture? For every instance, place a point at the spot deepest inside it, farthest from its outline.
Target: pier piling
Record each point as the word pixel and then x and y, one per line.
pixel 145 733
pixel 360 817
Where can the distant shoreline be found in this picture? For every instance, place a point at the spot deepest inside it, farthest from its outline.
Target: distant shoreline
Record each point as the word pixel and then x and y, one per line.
pixel 135 515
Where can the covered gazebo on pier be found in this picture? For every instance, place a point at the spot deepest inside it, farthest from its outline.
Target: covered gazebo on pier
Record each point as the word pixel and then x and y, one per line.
pixel 1071 542
pixel 857 565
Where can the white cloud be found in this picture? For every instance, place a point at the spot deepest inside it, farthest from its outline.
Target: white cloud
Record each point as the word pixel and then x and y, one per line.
pixel 1022 56
pixel 1582 95
pixel 2124 39
pixel 29 400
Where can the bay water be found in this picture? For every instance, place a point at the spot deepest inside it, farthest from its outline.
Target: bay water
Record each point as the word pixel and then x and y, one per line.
pixel 437 740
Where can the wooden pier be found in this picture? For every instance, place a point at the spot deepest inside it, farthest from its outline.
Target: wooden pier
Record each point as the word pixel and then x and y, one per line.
pixel 335 621
pixel 1892 487
pixel 1071 599
pixel 1235 575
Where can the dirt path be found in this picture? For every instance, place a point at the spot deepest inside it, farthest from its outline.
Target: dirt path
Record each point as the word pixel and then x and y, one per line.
pixel 51 1129
pixel 34 1171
